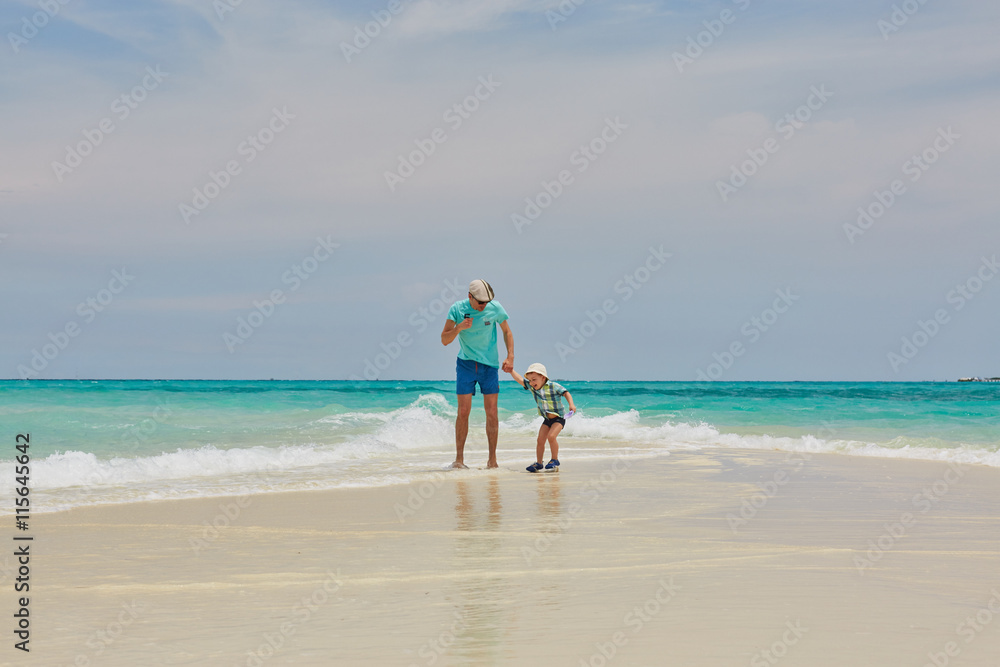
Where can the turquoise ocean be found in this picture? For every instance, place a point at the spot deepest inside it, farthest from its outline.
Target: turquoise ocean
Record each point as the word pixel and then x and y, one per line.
pixel 107 441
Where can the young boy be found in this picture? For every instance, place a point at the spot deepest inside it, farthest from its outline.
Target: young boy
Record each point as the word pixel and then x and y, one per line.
pixel 536 380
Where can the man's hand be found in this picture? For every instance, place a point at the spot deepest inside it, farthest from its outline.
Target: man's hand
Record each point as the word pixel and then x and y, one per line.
pixel 451 330
pixel 508 341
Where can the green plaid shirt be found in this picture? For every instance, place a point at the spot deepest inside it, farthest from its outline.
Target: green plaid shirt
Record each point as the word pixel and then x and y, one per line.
pixel 547 398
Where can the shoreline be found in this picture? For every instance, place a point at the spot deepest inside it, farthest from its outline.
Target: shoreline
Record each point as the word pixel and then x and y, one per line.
pixel 582 446
pixel 707 555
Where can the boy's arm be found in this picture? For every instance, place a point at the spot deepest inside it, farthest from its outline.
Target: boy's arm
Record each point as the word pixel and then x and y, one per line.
pixel 517 378
pixel 569 399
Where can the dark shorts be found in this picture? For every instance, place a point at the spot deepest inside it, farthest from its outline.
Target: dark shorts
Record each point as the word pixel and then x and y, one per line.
pixel 549 421
pixel 468 373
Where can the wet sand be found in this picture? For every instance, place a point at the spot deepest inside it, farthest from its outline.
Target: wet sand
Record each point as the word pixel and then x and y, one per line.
pixel 721 557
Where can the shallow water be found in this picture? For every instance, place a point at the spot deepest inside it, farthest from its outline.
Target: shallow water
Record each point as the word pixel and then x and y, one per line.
pixel 96 442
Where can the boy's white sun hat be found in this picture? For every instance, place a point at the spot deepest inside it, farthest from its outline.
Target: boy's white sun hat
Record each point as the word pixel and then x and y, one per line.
pixel 537 368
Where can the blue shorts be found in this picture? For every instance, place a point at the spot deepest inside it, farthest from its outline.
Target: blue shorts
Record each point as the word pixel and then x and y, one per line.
pixel 468 373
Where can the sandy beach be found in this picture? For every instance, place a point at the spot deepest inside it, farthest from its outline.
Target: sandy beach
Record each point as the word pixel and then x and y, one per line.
pixel 720 557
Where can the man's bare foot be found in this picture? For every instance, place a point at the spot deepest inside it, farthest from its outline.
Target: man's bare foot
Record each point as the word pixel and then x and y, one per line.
pixel 492 463
pixel 458 464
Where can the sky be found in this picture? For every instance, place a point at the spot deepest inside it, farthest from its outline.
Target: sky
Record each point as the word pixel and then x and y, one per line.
pixel 732 190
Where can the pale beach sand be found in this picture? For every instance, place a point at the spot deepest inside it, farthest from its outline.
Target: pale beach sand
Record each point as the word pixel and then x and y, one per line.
pixel 633 558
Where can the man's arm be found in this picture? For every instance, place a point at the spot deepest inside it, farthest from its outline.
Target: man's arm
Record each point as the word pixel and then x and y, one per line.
pixel 451 330
pixel 508 339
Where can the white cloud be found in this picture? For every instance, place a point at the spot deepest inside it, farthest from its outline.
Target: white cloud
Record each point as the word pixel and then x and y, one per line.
pixel 325 173
pixel 442 17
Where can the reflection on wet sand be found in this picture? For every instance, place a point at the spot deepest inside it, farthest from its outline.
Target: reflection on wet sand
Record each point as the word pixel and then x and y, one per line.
pixel 549 498
pixel 487 604
pixel 481 598
pixel 550 511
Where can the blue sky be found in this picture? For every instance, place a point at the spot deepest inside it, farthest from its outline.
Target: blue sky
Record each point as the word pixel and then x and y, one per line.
pixel 818 107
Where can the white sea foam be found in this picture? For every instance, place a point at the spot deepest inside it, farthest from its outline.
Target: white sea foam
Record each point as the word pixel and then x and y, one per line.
pixel 626 427
pixel 426 406
pixel 404 445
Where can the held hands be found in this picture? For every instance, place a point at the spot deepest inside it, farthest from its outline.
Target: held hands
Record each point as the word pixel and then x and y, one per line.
pixel 508 365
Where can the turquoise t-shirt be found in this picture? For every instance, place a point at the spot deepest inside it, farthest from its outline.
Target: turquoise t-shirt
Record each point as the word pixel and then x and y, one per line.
pixel 479 342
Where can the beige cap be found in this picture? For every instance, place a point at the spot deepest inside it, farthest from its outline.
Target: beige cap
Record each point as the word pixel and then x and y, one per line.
pixel 481 290
pixel 537 368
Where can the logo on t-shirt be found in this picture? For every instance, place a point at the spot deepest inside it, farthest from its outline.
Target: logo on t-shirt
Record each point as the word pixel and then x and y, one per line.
pixel 487 322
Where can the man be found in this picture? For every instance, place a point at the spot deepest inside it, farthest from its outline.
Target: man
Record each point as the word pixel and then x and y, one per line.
pixel 474 322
